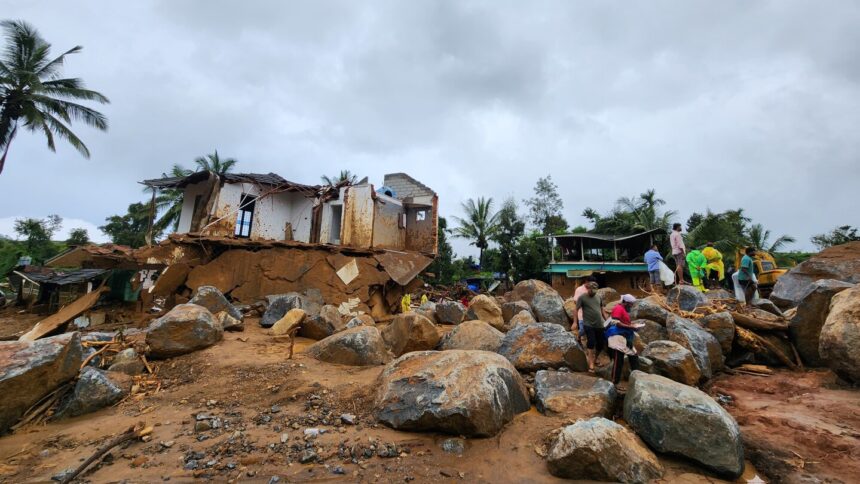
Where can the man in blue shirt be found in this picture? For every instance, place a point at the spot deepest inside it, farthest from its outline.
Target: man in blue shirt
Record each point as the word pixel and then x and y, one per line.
pixel 653 259
pixel 746 275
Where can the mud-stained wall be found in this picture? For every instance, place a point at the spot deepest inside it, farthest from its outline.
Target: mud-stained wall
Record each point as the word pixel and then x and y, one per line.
pixel 357 229
pixel 422 228
pixel 189 195
pixel 387 233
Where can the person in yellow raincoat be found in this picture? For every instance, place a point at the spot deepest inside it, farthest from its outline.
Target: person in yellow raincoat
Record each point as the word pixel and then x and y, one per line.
pixel 715 265
pixel 406 303
pixel 696 263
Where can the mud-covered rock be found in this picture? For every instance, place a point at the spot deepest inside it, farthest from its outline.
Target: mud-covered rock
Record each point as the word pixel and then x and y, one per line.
pixel 601 450
pixel 326 323
pixel 718 294
pixel 486 309
pixel 460 392
pixel 722 326
pixel 651 331
pixel 673 361
pixel 522 317
pixel 512 308
pixel 279 304
pixel 31 370
pixel 805 327
pixel 95 390
pixel 840 262
pixel 472 335
pixel 839 344
pixel 410 332
pixel 185 328
pixel 704 346
pixel 649 309
pixel 546 304
pixel 675 418
pixel 428 310
pixel 769 306
pixel 127 361
pixel 289 322
pixel 450 312
pixel 361 346
pixel 211 298
pixel 541 346
pixel 573 395
pixel 687 298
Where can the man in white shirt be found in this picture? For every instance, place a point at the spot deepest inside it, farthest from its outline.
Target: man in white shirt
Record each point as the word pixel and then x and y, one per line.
pixel 679 252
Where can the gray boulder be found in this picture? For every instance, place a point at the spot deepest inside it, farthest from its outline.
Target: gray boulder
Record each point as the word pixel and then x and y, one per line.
pixel 678 419
pixel 704 346
pixel 450 312
pixel 546 304
pixel 31 370
pixel 573 395
pixel 326 323
pixel 722 326
pixel 651 331
pixel 185 328
pixel 512 308
pixel 608 294
pixel 649 309
pixel 95 390
pixel 472 335
pixel 127 361
pixel 311 303
pixel 673 361
pixel 460 392
pixel 361 346
pixel 687 298
pixel 601 450
pixel 211 298
pixel 718 294
pixel 840 262
pixel 805 327
pixel 361 320
pixel 410 332
pixel 428 310
pixel 769 306
pixel 839 344
pixel 540 346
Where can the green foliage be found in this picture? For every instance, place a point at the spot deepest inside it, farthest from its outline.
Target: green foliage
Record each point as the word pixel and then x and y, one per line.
pixel 545 207
pixel 531 257
pixel 479 225
pixel 78 236
pixel 840 235
pixel 726 230
pixel 790 259
pixel 442 265
pixel 344 177
pixel 34 93
pixel 130 229
pixel 759 237
pixel 10 252
pixel 37 234
pixel 632 215
pixel 212 162
pixel 510 228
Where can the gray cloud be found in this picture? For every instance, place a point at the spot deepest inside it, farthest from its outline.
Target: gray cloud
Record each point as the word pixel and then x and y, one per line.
pixel 714 104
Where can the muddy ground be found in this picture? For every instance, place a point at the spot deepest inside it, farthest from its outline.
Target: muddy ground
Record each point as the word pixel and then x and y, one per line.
pixel 263 403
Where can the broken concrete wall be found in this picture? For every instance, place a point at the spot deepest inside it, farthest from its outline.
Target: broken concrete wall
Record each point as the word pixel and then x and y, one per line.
pixel 422 227
pixel 387 230
pixel 331 222
pixel 273 212
pixel 357 228
pixel 190 197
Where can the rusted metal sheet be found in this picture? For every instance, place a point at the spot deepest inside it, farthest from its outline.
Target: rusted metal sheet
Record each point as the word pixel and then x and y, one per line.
pixel 403 266
pixel 357 228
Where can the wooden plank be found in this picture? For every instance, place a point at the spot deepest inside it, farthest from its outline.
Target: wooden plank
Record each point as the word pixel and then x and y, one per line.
pixel 64 315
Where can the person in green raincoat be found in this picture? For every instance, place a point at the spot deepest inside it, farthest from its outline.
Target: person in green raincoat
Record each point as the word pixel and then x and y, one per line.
pixel 696 263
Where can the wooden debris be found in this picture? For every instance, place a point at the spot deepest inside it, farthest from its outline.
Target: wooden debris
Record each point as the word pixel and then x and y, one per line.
pixel 130 434
pixel 762 369
pixel 750 322
pixel 64 315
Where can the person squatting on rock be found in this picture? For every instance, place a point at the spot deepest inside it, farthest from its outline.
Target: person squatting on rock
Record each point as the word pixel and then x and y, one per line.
pixel 593 316
pixel 580 325
pixel 620 334
pixel 679 252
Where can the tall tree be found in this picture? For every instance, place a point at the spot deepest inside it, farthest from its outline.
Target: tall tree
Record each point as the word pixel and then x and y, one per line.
pixel 129 229
pixel 511 228
pixel 480 224
pixel 759 237
pixel 345 176
pixel 212 162
pixel 33 92
pixel 37 234
pixel 727 230
pixel 545 206
pixel 78 236
pixel 169 201
pixel 631 215
pixel 840 235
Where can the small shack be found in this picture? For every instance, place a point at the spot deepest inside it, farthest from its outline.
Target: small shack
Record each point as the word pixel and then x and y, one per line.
pixel 47 290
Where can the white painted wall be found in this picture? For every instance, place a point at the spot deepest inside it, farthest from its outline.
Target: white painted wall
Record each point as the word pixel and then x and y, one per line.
pixel 188 196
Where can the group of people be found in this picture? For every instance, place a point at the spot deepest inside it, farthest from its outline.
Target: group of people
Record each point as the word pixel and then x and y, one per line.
pixel 612 333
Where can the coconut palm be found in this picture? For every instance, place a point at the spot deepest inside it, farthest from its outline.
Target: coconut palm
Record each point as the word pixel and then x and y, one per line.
pixel 480 224
pixel 34 95
pixel 759 237
pixel 212 162
pixel 345 176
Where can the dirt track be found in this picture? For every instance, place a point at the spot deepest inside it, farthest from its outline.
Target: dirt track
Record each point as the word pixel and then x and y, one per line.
pixel 260 397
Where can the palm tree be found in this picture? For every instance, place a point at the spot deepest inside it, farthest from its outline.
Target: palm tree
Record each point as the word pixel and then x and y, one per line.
pixel 345 176
pixel 643 213
pixel 759 237
pixel 33 93
pixel 480 224
pixel 169 200
pixel 212 162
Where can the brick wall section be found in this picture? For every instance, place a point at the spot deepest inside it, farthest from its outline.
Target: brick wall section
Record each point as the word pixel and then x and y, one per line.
pixel 405 186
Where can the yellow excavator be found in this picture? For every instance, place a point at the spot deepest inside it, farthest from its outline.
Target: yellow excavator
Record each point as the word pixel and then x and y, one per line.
pixel 766 270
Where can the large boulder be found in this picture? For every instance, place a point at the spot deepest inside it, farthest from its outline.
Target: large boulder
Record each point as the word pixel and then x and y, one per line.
pixel 95 390
pixel 601 450
pixel 522 317
pixel 546 304
pixel 720 293
pixel 361 346
pixel 686 297
pixel 648 308
pixel 185 328
pixel 673 361
pixel 361 320
pixel 460 392
pixel 512 308
pixel 704 346
pixel 450 312
pixel 651 331
pixel 279 304
pixel 675 418
pixel 328 322
pixel 840 262
pixel 31 370
pixel 472 335
pixel 805 327
pixel 410 332
pixel 211 298
pixel 428 310
pixel 540 346
pixel 608 294
pixel 573 395
pixel 293 319
pixel 722 326
pixel 486 309
pixel 839 344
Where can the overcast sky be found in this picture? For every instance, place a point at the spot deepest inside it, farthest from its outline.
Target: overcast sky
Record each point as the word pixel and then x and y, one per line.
pixel 714 104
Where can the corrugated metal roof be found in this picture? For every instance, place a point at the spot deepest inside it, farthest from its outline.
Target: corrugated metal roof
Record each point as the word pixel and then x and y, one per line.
pixel 62 278
pixel 607 238
pixel 270 179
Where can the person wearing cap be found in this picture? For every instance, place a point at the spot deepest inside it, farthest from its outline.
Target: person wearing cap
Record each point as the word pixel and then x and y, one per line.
pixel 715 270
pixel 619 337
pixel 593 317
pixel 582 289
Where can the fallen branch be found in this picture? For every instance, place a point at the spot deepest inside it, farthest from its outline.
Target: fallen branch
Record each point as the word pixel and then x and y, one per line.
pixel 130 434
pixel 292 335
pixel 750 322
pixel 746 336
pixel 90 358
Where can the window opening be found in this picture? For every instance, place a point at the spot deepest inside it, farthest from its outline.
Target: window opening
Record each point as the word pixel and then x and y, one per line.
pixel 336 216
pixel 421 215
pixel 245 218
